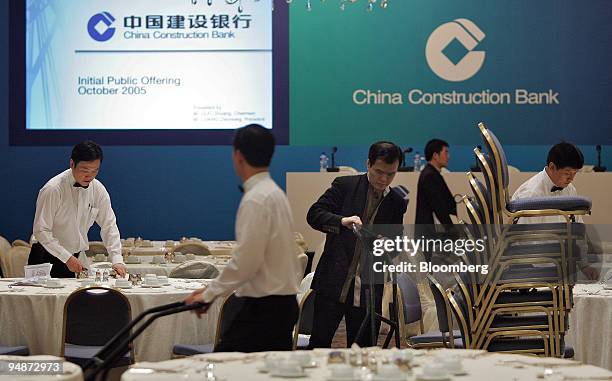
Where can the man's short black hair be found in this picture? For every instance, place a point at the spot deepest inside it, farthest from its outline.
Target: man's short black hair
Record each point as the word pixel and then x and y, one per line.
pixel 86 151
pixel 386 151
pixel 256 144
pixel 434 146
pixel 564 155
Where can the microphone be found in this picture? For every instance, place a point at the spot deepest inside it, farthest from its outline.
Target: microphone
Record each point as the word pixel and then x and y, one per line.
pixel 599 168
pixel 333 167
pixel 403 167
pixel 476 167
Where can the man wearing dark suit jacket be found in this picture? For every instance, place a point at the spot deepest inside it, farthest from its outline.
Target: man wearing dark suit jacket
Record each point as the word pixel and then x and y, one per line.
pixel 435 202
pixel 359 199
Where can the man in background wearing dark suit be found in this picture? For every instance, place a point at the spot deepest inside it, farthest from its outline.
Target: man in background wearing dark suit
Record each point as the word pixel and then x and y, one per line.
pixel 360 199
pixel 435 202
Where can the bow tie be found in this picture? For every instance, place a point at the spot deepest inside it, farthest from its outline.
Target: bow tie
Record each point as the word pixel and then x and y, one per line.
pixel 556 188
pixel 77 185
pixel 241 188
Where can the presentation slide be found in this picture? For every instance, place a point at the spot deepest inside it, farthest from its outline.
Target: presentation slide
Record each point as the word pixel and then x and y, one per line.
pixel 148 64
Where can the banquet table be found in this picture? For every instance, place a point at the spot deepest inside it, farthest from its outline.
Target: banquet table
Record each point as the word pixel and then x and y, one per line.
pixel 217 248
pixel 33 316
pixel 70 371
pixel 478 366
pixel 590 325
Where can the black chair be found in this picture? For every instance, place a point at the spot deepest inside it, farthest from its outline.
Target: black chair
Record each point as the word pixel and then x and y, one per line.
pixel 231 306
pixel 303 327
pixel 92 316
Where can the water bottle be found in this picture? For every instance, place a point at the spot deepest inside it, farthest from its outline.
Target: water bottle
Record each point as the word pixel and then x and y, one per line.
pixel 323 162
pixel 417 162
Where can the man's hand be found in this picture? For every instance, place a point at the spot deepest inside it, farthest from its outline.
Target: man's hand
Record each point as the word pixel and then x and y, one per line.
pixel 196 297
pixel 590 272
pixel 120 269
pixel 349 221
pixel 74 265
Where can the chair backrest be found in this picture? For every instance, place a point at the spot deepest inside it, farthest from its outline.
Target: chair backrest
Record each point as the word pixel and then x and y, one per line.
pixel 500 164
pixel 20 242
pixel 93 315
pixel 96 248
pixel 442 305
pixel 486 167
pixel 194 270
pixel 459 308
pixel 403 192
pixel 305 319
pixel 303 260
pixel 5 246
pixel 411 302
pixel 229 310
pixel 196 248
pixel 482 196
pixel 17 259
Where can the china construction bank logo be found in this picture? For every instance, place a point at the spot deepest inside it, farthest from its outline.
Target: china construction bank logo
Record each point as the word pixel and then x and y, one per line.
pixel 99 26
pixel 443 37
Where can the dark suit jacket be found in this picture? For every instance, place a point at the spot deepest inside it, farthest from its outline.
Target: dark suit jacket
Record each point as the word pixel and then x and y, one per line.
pixel 346 197
pixel 433 196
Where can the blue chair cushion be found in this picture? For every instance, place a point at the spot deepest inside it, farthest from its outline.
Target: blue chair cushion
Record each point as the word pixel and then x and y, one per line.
pixel 81 354
pixel 502 345
pixel 192 349
pixel 16 351
pixel 565 203
pixel 524 297
pixel 513 274
pixel 519 321
pixel 303 341
pixel 435 337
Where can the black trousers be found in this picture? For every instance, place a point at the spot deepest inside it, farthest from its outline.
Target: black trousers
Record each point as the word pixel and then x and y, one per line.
pixel 328 313
pixel 39 255
pixel 262 324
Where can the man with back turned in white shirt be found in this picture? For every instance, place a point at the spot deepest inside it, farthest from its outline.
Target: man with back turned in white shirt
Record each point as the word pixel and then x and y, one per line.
pixel 264 265
pixel 562 163
pixel 66 207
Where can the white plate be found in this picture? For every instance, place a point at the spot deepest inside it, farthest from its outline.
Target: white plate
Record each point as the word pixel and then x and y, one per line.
pixel 289 375
pixel 151 286
pixel 432 378
pixel 58 286
pixel 124 287
pixel 402 377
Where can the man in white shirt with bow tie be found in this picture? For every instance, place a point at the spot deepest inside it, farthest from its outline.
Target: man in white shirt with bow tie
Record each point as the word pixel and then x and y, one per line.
pixel 563 162
pixel 66 207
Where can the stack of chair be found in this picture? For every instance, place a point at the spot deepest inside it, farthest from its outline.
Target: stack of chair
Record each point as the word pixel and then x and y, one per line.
pixel 521 305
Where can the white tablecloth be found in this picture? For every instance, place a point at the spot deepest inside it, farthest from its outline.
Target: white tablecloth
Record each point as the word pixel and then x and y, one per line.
pixel 217 248
pixel 590 331
pixel 71 372
pixel 479 365
pixel 34 317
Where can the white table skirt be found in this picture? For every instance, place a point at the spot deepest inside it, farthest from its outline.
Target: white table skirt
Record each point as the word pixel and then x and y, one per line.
pixel 479 365
pixel 590 330
pixel 71 372
pixel 34 317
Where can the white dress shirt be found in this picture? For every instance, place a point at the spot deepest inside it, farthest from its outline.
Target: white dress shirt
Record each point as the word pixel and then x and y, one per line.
pixel 265 259
pixel 64 214
pixel 540 186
